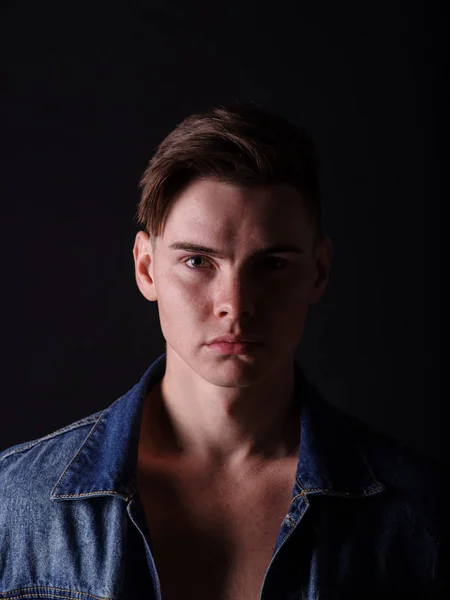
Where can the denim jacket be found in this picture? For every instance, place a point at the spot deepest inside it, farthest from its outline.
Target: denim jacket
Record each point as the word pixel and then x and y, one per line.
pixel 366 519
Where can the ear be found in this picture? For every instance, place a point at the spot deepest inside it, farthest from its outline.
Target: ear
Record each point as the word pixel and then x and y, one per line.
pixel 322 264
pixel 143 266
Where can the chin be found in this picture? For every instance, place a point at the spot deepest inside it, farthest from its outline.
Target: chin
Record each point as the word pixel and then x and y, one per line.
pixel 237 380
pixel 226 370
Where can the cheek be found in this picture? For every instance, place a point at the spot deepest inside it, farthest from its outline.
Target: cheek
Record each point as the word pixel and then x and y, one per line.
pixel 283 300
pixel 178 307
pixel 293 310
pixel 289 307
pixel 179 295
pixel 288 291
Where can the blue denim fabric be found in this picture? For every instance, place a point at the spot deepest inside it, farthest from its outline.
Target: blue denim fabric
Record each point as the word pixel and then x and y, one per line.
pixel 366 520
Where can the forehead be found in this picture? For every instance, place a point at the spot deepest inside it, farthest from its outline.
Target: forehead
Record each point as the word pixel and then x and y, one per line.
pixel 228 210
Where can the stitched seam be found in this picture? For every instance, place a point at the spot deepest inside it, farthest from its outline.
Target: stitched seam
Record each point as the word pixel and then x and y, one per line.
pixel 76 455
pixel 48 590
pixel 47 595
pixel 304 492
pixel 62 430
pixel 88 494
pixel 44 588
pixel 379 484
pixel 50 595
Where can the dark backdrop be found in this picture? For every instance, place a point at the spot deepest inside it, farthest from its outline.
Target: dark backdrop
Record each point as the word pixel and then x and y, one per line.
pixel 88 91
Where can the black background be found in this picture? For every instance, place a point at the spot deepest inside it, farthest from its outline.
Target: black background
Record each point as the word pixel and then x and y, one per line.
pixel 89 90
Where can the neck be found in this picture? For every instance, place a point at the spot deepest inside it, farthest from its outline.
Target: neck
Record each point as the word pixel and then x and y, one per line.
pixel 187 418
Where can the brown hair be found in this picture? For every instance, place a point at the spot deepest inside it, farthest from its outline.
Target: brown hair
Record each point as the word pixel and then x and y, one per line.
pixel 241 144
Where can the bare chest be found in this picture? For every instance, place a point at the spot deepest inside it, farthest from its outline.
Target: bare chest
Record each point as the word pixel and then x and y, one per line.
pixel 214 541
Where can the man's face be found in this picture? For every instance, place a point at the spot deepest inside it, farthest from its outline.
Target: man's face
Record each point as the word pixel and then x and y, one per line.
pixel 202 296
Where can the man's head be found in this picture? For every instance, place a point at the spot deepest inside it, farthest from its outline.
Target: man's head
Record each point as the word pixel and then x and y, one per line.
pixel 237 180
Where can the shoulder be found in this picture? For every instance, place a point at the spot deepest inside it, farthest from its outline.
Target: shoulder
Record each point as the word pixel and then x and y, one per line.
pixel 414 482
pixel 391 459
pixel 399 464
pixel 416 485
pixel 31 461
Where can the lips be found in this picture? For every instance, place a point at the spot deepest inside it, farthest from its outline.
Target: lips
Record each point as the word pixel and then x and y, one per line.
pixel 234 347
pixel 231 339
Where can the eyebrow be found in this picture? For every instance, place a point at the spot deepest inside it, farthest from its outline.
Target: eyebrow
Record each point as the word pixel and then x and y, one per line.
pixel 274 249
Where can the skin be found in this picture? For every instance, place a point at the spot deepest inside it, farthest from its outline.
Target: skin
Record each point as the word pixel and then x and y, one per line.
pixel 229 412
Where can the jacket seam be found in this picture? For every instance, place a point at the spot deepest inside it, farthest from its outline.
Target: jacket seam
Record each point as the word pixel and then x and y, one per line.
pixel 61 431
pixel 75 457
pixel 87 494
pixel 48 589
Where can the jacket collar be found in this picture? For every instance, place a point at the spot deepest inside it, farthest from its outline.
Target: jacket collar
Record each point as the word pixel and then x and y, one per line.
pixel 330 458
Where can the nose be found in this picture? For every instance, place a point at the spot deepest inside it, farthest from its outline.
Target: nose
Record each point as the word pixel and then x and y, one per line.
pixel 233 298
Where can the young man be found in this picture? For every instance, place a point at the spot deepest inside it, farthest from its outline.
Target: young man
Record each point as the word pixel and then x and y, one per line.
pixel 223 474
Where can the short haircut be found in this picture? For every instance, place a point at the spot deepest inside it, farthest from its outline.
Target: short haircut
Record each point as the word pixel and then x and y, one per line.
pixel 241 144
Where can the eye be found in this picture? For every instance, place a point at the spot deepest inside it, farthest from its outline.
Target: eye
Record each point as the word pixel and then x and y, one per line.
pixel 276 263
pixel 196 268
